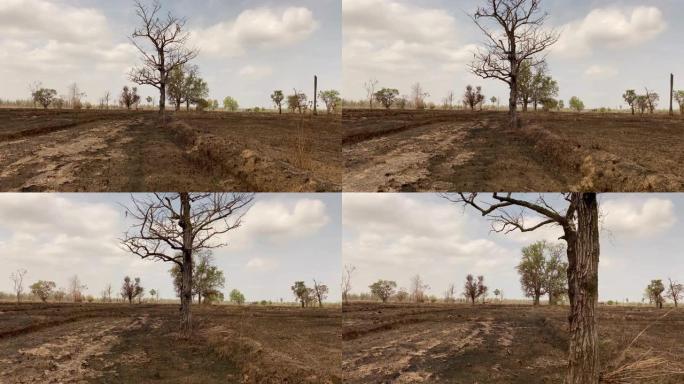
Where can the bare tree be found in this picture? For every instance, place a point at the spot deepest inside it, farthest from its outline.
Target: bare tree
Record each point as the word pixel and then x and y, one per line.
pixel 321 292
pixel 75 96
pixel 369 86
pixel 578 217
pixel 418 288
pixel 450 293
pixel 167 38
pixel 418 96
pixel 76 289
pixel 346 281
pixel 107 293
pixel 131 289
pixel 17 278
pixel 522 37
pixel 172 227
pixel 675 291
pixel 474 289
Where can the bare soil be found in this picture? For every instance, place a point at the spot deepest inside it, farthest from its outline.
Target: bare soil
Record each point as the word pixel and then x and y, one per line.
pixel 476 151
pixel 132 151
pixel 397 343
pixel 114 343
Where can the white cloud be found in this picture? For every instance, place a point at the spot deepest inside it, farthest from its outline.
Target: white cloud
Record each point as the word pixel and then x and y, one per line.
pixel 276 221
pixel 261 264
pixel 631 218
pixel 610 28
pixel 598 71
pixel 47 36
pixel 256 72
pixel 256 28
pixel 392 37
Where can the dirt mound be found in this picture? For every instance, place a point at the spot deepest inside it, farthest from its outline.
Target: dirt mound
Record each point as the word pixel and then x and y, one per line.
pixel 601 170
pixel 261 364
pixel 260 172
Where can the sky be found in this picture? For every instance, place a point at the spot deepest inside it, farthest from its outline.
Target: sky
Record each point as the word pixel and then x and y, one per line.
pixel 396 236
pixel 283 238
pixel 248 48
pixel 605 47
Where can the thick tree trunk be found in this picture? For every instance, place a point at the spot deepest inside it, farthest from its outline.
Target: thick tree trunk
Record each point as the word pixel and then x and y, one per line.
pixel 513 102
pixel 186 294
pixel 536 298
pixel 280 109
pixel 583 259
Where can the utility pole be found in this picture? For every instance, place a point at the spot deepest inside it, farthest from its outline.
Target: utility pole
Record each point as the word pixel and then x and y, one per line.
pixel 671 93
pixel 315 112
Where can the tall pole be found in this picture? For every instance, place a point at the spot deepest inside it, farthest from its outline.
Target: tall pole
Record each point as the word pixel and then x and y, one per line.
pixel 315 94
pixel 671 93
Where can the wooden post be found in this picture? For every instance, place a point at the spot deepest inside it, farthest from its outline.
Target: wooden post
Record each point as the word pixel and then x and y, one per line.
pixel 315 112
pixel 671 93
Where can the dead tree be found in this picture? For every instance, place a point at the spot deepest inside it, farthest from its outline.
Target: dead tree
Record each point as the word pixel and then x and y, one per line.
pixel 521 38
pixel 675 291
pixel 369 86
pixel 168 52
pixel 346 282
pixel 172 227
pixel 578 219
pixel 18 282
pixel 321 292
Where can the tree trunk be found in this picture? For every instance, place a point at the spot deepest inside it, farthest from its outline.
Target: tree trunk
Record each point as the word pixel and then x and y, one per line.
pixel 186 295
pixel 583 259
pixel 513 102
pixel 536 298
pixel 280 109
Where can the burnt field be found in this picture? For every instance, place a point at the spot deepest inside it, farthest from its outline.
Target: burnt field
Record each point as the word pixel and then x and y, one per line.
pixel 476 151
pixel 121 343
pixel 132 151
pixel 501 344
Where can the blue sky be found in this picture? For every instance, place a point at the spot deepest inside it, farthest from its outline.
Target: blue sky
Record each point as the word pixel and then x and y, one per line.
pixel 248 48
pixel 284 237
pixel 605 48
pixel 395 236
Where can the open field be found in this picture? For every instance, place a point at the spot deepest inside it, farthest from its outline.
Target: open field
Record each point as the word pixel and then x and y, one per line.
pixel 115 343
pixel 132 151
pixel 493 343
pixel 400 150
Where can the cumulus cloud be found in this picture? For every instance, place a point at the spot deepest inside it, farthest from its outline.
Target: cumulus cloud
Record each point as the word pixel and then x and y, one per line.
pixel 256 28
pixel 274 221
pixel 392 38
pixel 42 35
pixel 256 72
pixel 612 27
pixel 631 218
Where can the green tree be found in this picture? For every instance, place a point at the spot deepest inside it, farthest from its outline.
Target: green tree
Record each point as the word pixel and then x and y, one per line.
pixel 576 104
pixel 230 104
pixel 297 102
pixel 277 96
pixel 525 84
pixel 44 96
pixel 679 97
pixel 236 297
pixel 630 97
pixel 301 292
pixel 43 289
pixel 542 271
pixel 331 98
pixel 207 279
pixel 383 289
pixel 386 96
pixel 655 292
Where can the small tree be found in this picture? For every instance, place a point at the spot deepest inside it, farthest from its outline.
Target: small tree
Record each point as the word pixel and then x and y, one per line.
pixel 472 290
pixel 383 289
pixel 42 289
pixel 153 293
pixel 630 98
pixel 230 104
pixel 642 104
pixel 675 291
pixel 131 289
pixel 17 278
pixel 369 86
pixel 107 293
pixel 331 98
pixel 473 97
pixel 450 293
pixel 576 104
pixel 652 99
pixel 418 288
pixel 497 292
pixel 346 281
pixel 679 97
pixel 44 96
pixel 301 292
pixel 655 292
pixel 321 292
pixel 418 96
pixel 542 271
pixel 297 101
pixel 236 297
pixel 402 295
pixel 277 96
pixel 129 97
pixel 76 289
pixel 386 96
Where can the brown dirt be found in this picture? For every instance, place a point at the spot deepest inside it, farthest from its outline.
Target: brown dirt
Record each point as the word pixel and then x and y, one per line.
pixel 100 151
pixel 465 151
pixel 488 343
pixel 113 343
